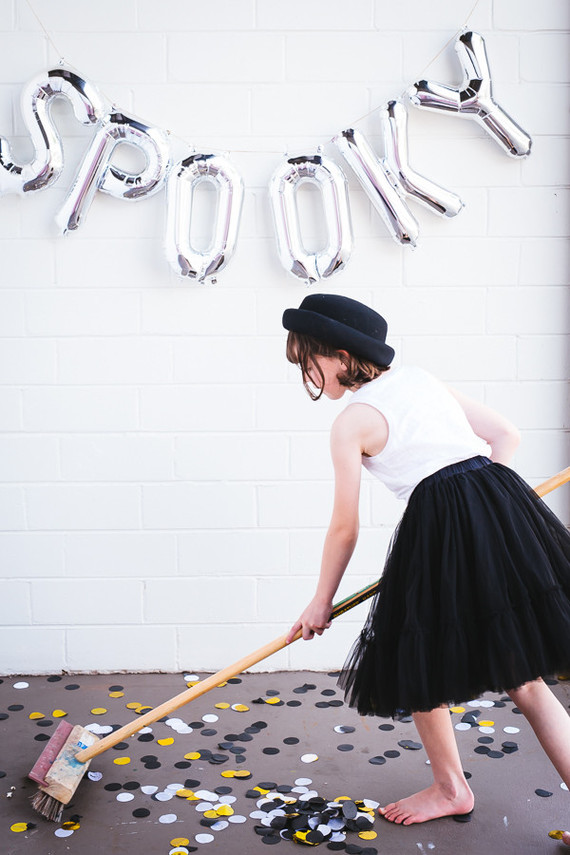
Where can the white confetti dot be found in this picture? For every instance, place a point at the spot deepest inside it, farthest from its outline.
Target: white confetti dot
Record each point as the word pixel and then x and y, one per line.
pixel 462 725
pixel 309 758
pixel 21 685
pixel 94 776
pixel 125 797
pixel 563 786
pixel 219 826
pixel 167 818
pixel 63 832
pixel 209 717
pixel 237 818
pixel 511 729
pixel 190 677
pixel 206 795
pixel 487 703
pixel 204 838
pixel 204 806
pixel 227 800
pixel 148 790
pixel 179 850
pixel 164 797
pixel 474 703
pixel 487 729
pixel 303 782
pixel 144 730
pixel 175 787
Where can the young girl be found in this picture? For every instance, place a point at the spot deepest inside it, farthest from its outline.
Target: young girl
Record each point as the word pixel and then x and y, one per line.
pixel 475 594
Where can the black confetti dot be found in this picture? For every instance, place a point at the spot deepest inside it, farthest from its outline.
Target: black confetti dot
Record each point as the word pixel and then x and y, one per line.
pixel 4 716
pixel 16 707
pixel 112 788
pixel 271 693
pixel 482 749
pixel 139 813
pixel 234 680
pixel 495 755
pixel 293 703
pixel 223 791
pixel 290 740
pixel 385 727
pixel 2 774
pixel 271 750
pixel 71 687
pixel 121 746
pixel 544 794
pixel 392 753
pixel 148 757
pixel 196 725
pixel 44 722
pixel 116 688
pixel 42 737
pixel 463 817
pixel 517 711
pixel 509 747
pixel 54 679
pixel 190 783
pixel 335 704
pixel 328 692
pixel 152 764
pixel 485 740
pixel 131 785
pixel 322 704
pixel 182 764
pixel 146 737
pixel 410 745
pixel 209 732
pixel 345 747
pixel 377 761
pixel 267 785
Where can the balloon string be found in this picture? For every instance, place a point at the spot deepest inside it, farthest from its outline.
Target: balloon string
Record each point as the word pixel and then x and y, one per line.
pixel 280 151
pixel 432 60
pixel 49 38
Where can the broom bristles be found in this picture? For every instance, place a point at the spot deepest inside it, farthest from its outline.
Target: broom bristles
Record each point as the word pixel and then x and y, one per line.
pixel 47 806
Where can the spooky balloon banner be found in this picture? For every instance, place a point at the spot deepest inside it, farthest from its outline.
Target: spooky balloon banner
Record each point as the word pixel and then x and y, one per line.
pixel 387 181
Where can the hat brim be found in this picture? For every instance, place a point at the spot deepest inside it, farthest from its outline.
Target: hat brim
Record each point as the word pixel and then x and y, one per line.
pixel 338 335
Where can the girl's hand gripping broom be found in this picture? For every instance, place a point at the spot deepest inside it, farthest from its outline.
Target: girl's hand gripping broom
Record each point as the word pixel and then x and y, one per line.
pixel 67 755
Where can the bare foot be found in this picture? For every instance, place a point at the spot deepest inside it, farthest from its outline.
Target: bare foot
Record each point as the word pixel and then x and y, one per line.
pixel 431 803
pixel 566 838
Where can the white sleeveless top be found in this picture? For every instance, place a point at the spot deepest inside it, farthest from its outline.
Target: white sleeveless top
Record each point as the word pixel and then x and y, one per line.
pixel 427 428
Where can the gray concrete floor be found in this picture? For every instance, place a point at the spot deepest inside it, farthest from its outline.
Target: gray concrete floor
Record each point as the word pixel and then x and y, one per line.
pixel 509 816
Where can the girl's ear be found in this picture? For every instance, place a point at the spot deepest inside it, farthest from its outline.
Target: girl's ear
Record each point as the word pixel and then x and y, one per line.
pixel 344 358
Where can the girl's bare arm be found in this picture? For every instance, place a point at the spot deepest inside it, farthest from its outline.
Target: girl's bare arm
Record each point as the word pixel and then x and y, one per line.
pixel 494 428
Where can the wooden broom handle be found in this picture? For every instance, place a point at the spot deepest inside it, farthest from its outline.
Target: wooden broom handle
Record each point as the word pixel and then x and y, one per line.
pixel 246 662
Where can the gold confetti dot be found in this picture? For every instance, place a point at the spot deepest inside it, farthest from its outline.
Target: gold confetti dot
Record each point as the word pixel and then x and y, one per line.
pixel 184 794
pixel 485 723
pixel 19 826
pixel 457 709
pixel 134 705
pixel 71 826
pixel 225 810
pixel 221 686
pixel 240 708
pixel 180 841
pixel 273 700
pixel 98 711
pixel 36 715
pixel 242 773
pixel 192 755
pixel 556 834
pixel 261 790
pixel 116 694
pixel 58 713
pixel 222 706
pixel 210 814
pixel 122 761
pixel 191 683
pixel 228 773
pixel 343 799
pixel 168 741
pixel 368 835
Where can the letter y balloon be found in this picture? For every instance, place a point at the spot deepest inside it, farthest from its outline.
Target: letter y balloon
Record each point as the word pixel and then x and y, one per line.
pixel 474 100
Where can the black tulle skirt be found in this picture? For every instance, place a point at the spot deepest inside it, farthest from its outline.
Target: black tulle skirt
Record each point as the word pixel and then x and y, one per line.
pixel 475 596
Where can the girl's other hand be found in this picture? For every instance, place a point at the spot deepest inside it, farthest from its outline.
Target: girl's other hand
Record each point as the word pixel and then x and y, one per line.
pixel 314 620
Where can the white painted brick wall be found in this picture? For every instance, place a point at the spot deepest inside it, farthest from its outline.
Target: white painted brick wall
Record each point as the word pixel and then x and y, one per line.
pixel 165 482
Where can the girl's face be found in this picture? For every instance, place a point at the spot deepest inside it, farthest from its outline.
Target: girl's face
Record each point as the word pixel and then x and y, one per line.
pixel 332 367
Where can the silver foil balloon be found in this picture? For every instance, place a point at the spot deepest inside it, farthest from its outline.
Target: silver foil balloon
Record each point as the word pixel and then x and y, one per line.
pixel 36 100
pixel 380 184
pixel 183 180
pixel 474 99
pixel 97 172
pixel 331 180
pixel 394 121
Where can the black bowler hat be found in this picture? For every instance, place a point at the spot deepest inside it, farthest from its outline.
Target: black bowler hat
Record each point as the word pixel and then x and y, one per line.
pixel 343 323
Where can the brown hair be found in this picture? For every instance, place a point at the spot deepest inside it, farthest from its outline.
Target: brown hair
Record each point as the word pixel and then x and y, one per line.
pixel 302 350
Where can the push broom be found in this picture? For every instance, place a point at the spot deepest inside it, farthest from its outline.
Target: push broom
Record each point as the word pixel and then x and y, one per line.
pixel 67 756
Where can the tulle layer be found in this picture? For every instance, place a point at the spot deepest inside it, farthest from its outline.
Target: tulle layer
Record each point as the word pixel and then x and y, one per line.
pixel 475 596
